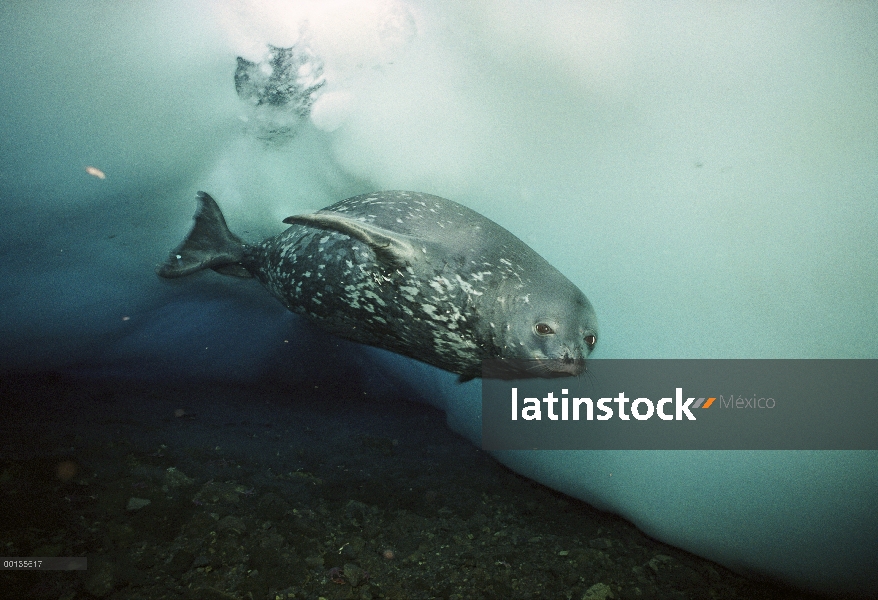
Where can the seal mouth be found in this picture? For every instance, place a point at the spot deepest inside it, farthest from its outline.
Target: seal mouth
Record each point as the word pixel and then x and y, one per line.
pixel 545 368
pixel 553 367
pixel 561 367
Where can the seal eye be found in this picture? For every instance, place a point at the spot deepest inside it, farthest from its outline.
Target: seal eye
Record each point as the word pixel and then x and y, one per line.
pixel 591 340
pixel 543 329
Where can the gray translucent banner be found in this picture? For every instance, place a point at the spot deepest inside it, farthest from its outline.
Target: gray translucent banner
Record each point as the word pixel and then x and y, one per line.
pixel 44 563
pixel 685 405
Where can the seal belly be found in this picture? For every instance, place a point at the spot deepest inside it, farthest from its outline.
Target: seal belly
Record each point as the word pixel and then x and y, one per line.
pixel 339 283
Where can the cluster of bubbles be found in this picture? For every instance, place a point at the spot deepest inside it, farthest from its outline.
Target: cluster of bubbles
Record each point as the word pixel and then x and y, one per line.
pixel 280 89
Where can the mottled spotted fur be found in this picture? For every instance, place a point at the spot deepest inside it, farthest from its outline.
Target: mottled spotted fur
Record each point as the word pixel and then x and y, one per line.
pixel 416 274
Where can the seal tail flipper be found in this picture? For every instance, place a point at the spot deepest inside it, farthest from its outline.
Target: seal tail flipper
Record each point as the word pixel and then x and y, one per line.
pixel 210 245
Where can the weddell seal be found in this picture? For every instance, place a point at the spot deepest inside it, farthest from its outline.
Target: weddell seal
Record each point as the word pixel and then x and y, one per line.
pixel 412 273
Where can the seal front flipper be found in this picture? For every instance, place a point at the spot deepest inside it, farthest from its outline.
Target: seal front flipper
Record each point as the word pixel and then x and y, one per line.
pixel 393 249
pixel 210 245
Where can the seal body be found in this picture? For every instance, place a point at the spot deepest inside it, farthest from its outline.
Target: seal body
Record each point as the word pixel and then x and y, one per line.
pixel 412 273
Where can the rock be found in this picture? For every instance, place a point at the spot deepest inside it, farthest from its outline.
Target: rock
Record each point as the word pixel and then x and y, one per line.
pixel 174 479
pixel 200 561
pixel 599 591
pixel 232 525
pixel 659 561
pixel 136 503
pixel 100 580
pixel 355 575
pixel 180 563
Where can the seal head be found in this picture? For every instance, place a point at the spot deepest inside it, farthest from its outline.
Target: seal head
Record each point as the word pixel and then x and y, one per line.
pixel 548 336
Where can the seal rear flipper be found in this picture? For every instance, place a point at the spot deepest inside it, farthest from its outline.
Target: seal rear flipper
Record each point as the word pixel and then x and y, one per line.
pixel 210 245
pixel 393 249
